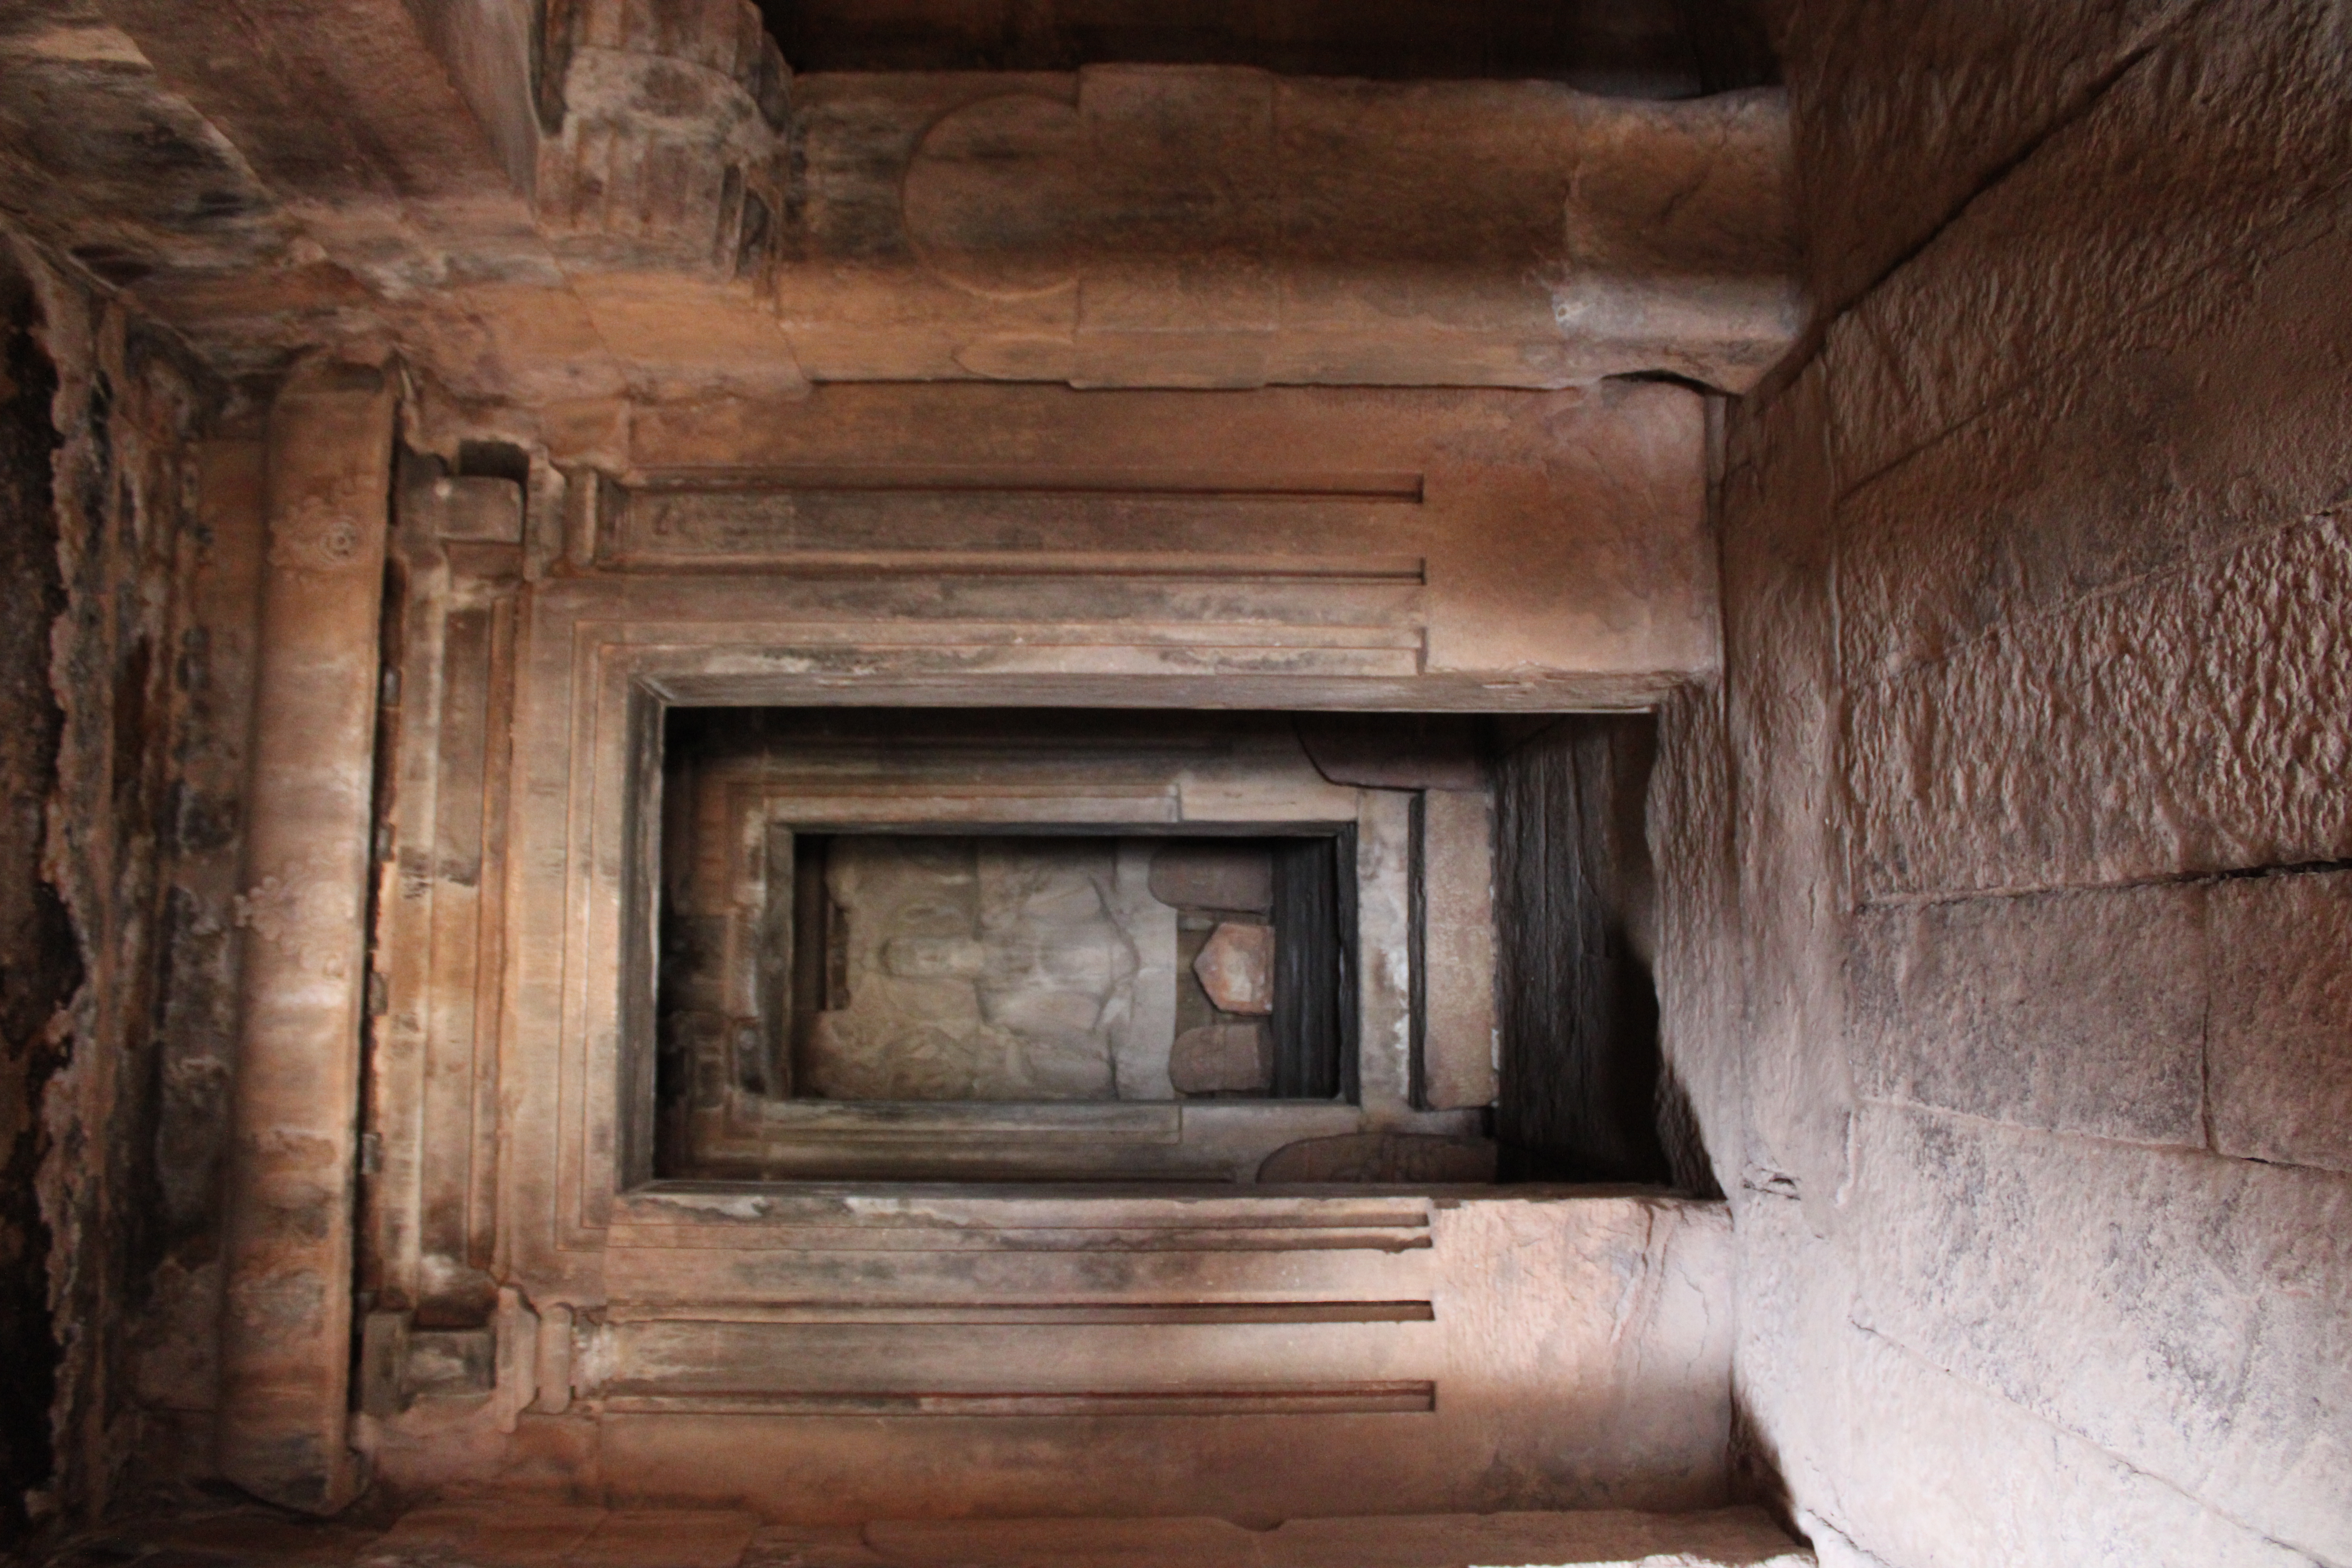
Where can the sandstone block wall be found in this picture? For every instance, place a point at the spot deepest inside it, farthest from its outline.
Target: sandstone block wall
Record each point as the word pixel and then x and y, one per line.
pixel 2003 943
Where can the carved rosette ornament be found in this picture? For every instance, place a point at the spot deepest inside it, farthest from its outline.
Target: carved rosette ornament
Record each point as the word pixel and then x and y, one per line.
pixel 318 536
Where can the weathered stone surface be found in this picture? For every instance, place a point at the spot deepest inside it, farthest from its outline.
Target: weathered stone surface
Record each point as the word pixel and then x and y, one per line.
pixel 79 92
pixel 122 766
pixel 1379 1157
pixel 2033 281
pixel 1458 1035
pixel 1850 1420
pixel 434 1034
pixel 2279 1043
pixel 540 1535
pixel 1721 1538
pixel 1212 877
pixel 1222 1058
pixel 2076 1012
pixel 2031 580
pixel 504 1533
pixel 1218 226
pixel 984 969
pixel 1236 967
pixel 1393 751
pixel 246 1533
pixel 2005 76
pixel 1622 53
pixel 2028 758
pixel 671 1538
pixel 666 148
pixel 1530 571
pixel 2028 577
pixel 1505 1354
pixel 45 966
pixel 2181 1312
pixel 620 197
pixel 1698 953
pixel 1785 850
pixel 1540 1375
pixel 2210 428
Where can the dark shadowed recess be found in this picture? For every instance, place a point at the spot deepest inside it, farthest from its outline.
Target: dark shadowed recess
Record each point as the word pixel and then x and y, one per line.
pixel 1585 1095
pixel 1635 48
pixel 39 963
pixel 1315 968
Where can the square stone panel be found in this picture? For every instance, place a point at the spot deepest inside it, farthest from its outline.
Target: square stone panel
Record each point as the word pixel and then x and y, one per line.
pixel 2076 1012
pixel 2280 1043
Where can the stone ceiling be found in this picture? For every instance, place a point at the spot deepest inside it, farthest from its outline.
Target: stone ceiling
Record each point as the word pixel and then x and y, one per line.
pixel 642 200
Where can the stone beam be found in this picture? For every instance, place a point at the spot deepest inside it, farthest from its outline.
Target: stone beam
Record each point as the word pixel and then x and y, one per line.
pixel 1157 225
pixel 286 1332
pixel 649 203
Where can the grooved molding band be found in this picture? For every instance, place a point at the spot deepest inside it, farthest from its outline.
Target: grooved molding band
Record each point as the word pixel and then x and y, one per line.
pixel 286 1335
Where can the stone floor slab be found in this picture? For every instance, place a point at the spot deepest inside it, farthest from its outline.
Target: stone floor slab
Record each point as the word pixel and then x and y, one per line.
pixel 540 1535
pixel 1723 1538
pixel 486 1534
pixel 666 1538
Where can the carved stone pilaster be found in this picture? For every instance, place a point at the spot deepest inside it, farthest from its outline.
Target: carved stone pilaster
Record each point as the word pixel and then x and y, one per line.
pixel 286 1330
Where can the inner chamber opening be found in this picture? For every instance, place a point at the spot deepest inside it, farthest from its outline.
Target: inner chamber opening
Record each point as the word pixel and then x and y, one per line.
pixel 1080 945
pixel 995 966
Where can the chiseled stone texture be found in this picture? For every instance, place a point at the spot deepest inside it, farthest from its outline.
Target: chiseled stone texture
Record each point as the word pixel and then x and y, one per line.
pixel 1858 1423
pixel 2279 1044
pixel 2003 946
pixel 2180 444
pixel 1932 101
pixel 2192 723
pixel 1236 968
pixel 2077 1012
pixel 1230 1058
pixel 1779 723
pixel 2184 1313
pixel 1698 951
pixel 2229 127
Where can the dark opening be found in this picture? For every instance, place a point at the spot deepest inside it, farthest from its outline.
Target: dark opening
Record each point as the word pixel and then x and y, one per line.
pixel 1626 48
pixel 40 963
pixel 1314 986
pixel 1009 934
pixel 494 460
pixel 1582 1077
pixel 1001 944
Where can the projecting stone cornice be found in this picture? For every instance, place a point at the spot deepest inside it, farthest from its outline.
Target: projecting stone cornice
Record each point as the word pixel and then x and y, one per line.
pixel 636 197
